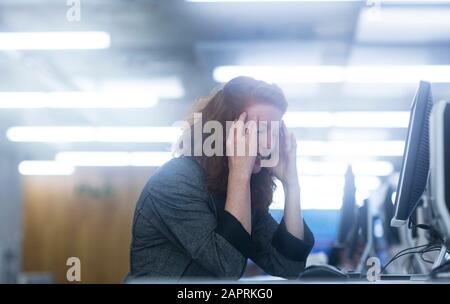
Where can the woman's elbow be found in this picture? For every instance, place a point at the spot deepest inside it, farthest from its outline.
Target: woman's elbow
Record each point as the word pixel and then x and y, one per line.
pixel 295 270
pixel 288 270
pixel 233 270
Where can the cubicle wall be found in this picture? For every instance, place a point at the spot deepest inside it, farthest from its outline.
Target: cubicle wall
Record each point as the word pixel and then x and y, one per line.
pixel 87 215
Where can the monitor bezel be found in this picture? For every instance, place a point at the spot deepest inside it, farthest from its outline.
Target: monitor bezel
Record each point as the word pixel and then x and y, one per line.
pixel 437 158
pixel 424 88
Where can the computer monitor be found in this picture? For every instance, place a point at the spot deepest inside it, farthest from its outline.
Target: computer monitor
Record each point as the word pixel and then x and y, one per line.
pixel 440 166
pixel 391 234
pixel 416 157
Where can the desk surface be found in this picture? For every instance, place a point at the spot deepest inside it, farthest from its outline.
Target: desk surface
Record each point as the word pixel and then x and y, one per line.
pixel 415 280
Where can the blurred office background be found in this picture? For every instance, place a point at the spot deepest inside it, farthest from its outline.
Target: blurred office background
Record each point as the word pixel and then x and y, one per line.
pixel 87 103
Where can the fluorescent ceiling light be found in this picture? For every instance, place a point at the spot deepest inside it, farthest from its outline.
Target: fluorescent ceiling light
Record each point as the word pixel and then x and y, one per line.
pixel 380 91
pixel 359 134
pixel 110 94
pixel 309 119
pixel 313 196
pixel 427 2
pixel 372 119
pixel 162 87
pixel 232 1
pixel 149 159
pixel 73 100
pixel 337 74
pixel 158 158
pixel 66 162
pixel 282 74
pixel 374 1
pixel 45 168
pixel 93 159
pixel 351 148
pixel 54 40
pixel 399 25
pixel 360 168
pixel 350 119
pixel 171 134
pixel 94 134
pixel 397 74
pixel 113 159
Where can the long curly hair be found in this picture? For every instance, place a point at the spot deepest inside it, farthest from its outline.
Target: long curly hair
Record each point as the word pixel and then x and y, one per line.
pixel 226 104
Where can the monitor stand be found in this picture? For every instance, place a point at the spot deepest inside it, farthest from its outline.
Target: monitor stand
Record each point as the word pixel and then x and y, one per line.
pixel 442 257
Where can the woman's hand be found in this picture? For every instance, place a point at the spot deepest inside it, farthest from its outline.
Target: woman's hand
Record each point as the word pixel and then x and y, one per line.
pixel 286 169
pixel 242 148
pixel 286 172
pixel 241 152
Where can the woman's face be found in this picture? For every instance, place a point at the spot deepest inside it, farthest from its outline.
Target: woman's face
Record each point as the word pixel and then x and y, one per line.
pixel 264 115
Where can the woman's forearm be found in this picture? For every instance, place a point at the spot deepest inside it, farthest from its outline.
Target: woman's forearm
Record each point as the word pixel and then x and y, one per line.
pixel 292 211
pixel 240 170
pixel 238 199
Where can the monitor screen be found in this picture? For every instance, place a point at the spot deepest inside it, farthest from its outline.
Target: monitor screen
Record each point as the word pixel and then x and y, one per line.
pixel 416 158
pixel 447 156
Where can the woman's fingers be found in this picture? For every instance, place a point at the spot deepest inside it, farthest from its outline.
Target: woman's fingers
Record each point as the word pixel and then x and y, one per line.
pixel 235 138
pixel 284 134
pixel 241 123
pixel 232 139
pixel 293 143
pixel 245 137
pixel 287 138
pixel 238 124
pixel 248 141
pixel 290 140
pixel 251 138
pixel 243 116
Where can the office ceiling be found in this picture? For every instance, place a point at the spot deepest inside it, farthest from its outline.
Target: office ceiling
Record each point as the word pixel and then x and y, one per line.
pixel 174 39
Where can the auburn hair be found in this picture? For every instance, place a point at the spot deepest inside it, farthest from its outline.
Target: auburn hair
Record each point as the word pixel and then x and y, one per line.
pixel 226 104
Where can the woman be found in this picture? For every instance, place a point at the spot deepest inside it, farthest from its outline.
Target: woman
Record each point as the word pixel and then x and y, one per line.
pixel 204 216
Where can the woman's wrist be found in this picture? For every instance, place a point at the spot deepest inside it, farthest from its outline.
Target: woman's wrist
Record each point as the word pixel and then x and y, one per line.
pixel 291 182
pixel 239 176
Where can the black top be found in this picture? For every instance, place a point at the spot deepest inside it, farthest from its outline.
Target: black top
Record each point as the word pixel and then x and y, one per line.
pixel 180 230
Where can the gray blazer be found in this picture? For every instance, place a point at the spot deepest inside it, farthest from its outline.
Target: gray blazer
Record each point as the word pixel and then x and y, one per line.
pixel 180 230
